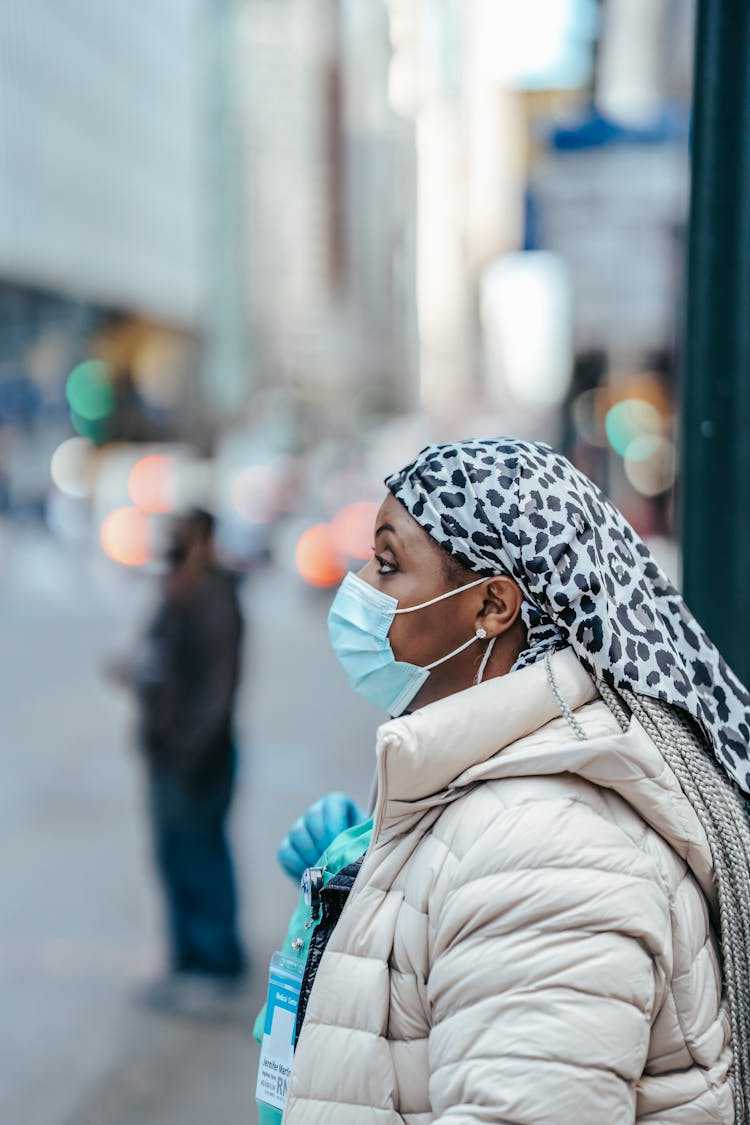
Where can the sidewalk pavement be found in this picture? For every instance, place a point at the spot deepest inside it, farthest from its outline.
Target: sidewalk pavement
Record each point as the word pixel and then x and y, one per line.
pixel 80 927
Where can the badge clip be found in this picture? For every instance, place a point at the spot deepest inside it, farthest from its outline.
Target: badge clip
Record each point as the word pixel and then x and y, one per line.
pixel 312 885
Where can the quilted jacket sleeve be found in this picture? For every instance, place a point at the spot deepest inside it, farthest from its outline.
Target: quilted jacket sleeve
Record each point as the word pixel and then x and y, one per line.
pixel 549 939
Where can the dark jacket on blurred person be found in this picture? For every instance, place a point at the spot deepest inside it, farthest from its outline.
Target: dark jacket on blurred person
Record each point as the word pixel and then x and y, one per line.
pixel 187 695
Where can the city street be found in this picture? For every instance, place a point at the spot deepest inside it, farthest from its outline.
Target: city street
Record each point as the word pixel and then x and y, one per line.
pixel 79 914
pixel 255 260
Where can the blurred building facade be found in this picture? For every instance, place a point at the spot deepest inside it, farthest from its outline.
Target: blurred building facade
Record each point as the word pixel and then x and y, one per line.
pixel 100 226
pixel 99 153
pixel 331 202
pixel 551 152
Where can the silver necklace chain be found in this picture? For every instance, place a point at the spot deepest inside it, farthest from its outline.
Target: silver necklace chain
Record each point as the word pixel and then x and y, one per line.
pixel 565 710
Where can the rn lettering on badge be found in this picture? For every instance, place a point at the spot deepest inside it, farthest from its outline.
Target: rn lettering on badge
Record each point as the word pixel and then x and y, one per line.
pixel 277 1047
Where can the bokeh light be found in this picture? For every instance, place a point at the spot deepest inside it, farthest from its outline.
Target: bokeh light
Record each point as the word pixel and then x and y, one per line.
pixel 158 363
pixel 252 493
pixel 629 419
pixel 89 390
pixel 352 530
pixel 70 467
pixel 589 409
pixel 125 537
pixel 317 560
pixel 651 464
pixel 152 483
pixel 526 316
pixel 97 430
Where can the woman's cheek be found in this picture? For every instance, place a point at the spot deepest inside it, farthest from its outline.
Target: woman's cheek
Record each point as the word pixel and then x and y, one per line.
pixel 395 636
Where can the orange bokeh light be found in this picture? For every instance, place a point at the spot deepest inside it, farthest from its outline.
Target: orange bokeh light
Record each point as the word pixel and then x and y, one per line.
pixel 317 559
pixel 125 538
pixel 353 528
pixel 151 484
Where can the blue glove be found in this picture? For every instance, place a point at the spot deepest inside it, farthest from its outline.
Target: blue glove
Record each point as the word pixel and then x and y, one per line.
pixel 309 836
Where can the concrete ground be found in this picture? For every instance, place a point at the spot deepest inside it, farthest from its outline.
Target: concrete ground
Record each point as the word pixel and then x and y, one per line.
pixel 79 912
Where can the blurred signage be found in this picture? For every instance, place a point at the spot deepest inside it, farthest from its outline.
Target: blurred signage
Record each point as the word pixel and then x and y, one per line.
pixel 537 45
pixel 615 215
pixel 526 322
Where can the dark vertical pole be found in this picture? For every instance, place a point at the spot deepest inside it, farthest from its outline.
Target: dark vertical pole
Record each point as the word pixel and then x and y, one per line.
pixel 715 440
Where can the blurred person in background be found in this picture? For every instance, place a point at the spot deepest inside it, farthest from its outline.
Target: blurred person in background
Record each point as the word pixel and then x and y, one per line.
pixel 545 918
pixel 185 684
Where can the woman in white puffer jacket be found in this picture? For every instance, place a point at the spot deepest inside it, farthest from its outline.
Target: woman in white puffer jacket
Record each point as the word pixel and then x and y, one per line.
pixel 533 935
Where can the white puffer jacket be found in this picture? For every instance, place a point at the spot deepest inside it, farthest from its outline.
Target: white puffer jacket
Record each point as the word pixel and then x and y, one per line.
pixel 528 939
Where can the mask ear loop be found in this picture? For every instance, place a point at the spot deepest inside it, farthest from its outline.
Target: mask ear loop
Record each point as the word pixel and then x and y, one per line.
pixel 444 659
pixel 485 660
pixel 441 597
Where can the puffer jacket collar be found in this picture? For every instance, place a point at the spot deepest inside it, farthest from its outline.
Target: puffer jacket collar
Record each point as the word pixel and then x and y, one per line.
pixel 422 756
pixel 494 730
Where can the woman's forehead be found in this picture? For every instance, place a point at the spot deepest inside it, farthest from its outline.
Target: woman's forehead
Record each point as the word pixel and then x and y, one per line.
pixel 406 529
pixel 393 513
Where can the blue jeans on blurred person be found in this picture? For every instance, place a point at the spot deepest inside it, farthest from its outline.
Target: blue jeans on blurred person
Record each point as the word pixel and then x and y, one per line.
pixel 195 866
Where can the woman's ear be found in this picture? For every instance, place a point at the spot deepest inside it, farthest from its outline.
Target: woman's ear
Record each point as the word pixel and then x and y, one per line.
pixel 502 606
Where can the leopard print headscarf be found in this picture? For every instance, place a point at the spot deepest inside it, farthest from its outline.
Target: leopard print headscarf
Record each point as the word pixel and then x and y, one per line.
pixel 519 508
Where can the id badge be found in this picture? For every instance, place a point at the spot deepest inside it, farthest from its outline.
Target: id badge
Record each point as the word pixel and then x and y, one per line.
pixel 277 1047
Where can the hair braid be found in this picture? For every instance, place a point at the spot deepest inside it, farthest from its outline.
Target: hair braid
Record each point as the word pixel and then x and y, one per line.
pixel 723 813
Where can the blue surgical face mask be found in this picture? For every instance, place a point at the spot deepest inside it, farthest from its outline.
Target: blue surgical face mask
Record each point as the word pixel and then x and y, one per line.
pixel 358 625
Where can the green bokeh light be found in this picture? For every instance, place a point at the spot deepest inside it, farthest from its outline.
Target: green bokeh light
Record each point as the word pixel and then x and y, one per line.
pixel 89 391
pixel 97 429
pixel 630 419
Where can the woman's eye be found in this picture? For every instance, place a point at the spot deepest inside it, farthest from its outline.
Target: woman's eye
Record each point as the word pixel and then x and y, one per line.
pixel 384 567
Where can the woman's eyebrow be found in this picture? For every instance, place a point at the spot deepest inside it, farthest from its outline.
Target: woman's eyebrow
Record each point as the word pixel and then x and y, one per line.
pixel 385 527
